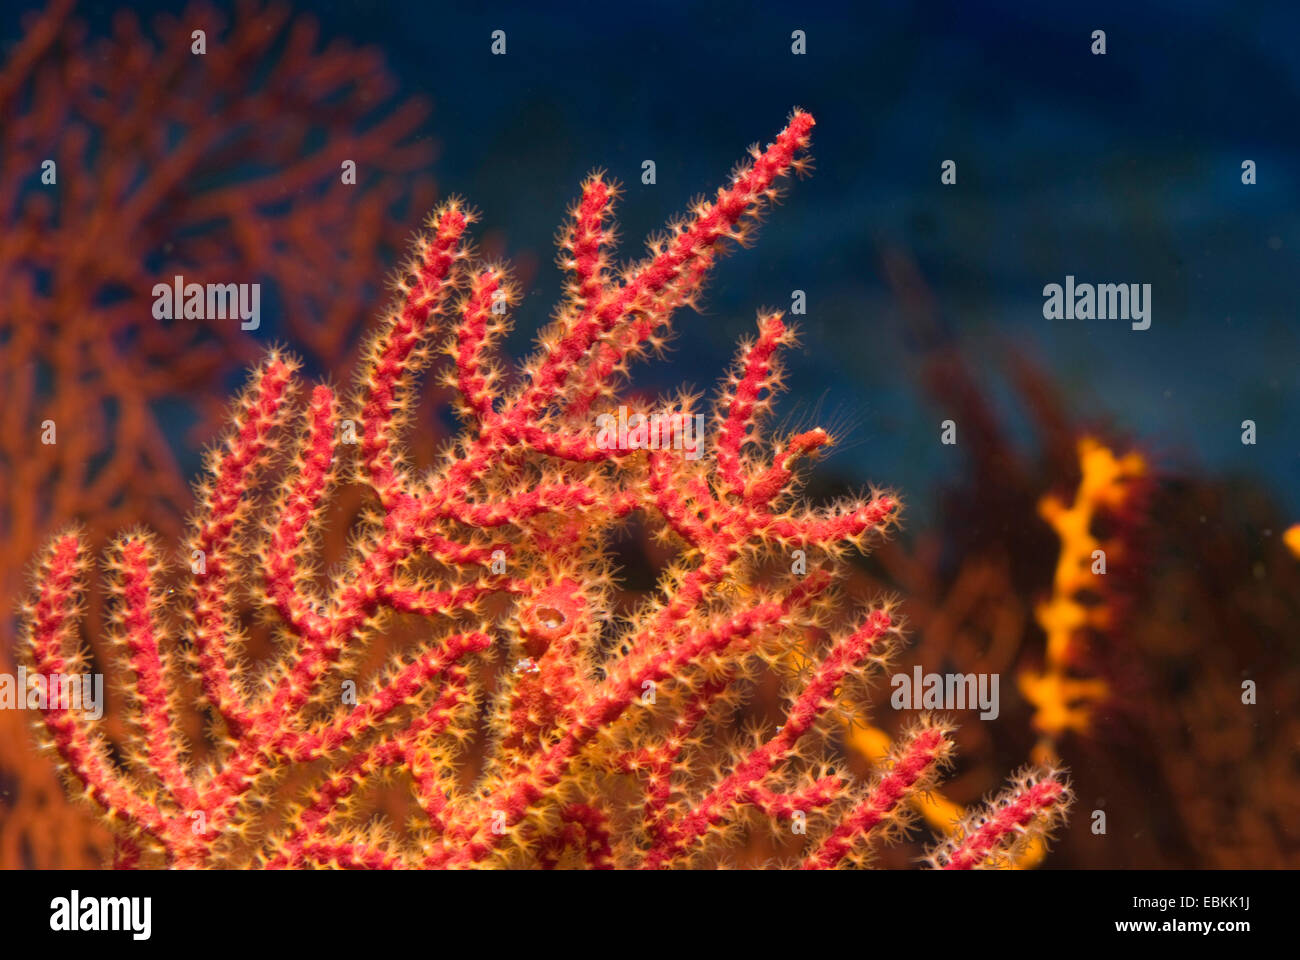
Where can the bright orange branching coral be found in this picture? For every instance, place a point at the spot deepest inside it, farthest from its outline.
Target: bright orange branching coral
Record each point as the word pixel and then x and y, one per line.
pixel 606 739
pixel 1064 702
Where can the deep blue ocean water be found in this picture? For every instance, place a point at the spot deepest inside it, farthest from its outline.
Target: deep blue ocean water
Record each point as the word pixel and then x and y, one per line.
pixel 1117 168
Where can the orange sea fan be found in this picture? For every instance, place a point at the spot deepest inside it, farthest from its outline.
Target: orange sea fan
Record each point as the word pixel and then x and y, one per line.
pixel 602 740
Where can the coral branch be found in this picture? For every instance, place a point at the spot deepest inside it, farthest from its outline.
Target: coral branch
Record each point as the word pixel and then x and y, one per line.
pixel 1028 810
pixel 908 771
pixel 533 721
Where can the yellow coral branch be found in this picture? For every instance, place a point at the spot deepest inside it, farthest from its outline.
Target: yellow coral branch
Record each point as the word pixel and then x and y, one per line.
pixel 1063 702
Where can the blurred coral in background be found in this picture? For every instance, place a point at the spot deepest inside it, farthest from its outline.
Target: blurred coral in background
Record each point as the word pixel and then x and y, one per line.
pixel 1202 595
pixel 219 166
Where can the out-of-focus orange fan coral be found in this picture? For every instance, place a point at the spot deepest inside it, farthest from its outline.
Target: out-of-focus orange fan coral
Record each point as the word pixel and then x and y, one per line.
pixel 127 159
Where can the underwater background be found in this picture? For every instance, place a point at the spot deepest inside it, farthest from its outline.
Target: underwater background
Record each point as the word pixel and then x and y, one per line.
pixel 1117 168
pixel 1122 168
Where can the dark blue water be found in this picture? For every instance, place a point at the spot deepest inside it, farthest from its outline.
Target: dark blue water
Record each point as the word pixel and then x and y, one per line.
pixel 1117 168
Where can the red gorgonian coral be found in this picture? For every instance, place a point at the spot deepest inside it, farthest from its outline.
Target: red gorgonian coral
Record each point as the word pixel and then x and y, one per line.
pixel 536 725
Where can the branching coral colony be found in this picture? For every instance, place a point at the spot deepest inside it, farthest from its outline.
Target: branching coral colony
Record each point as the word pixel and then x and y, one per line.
pixel 609 738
